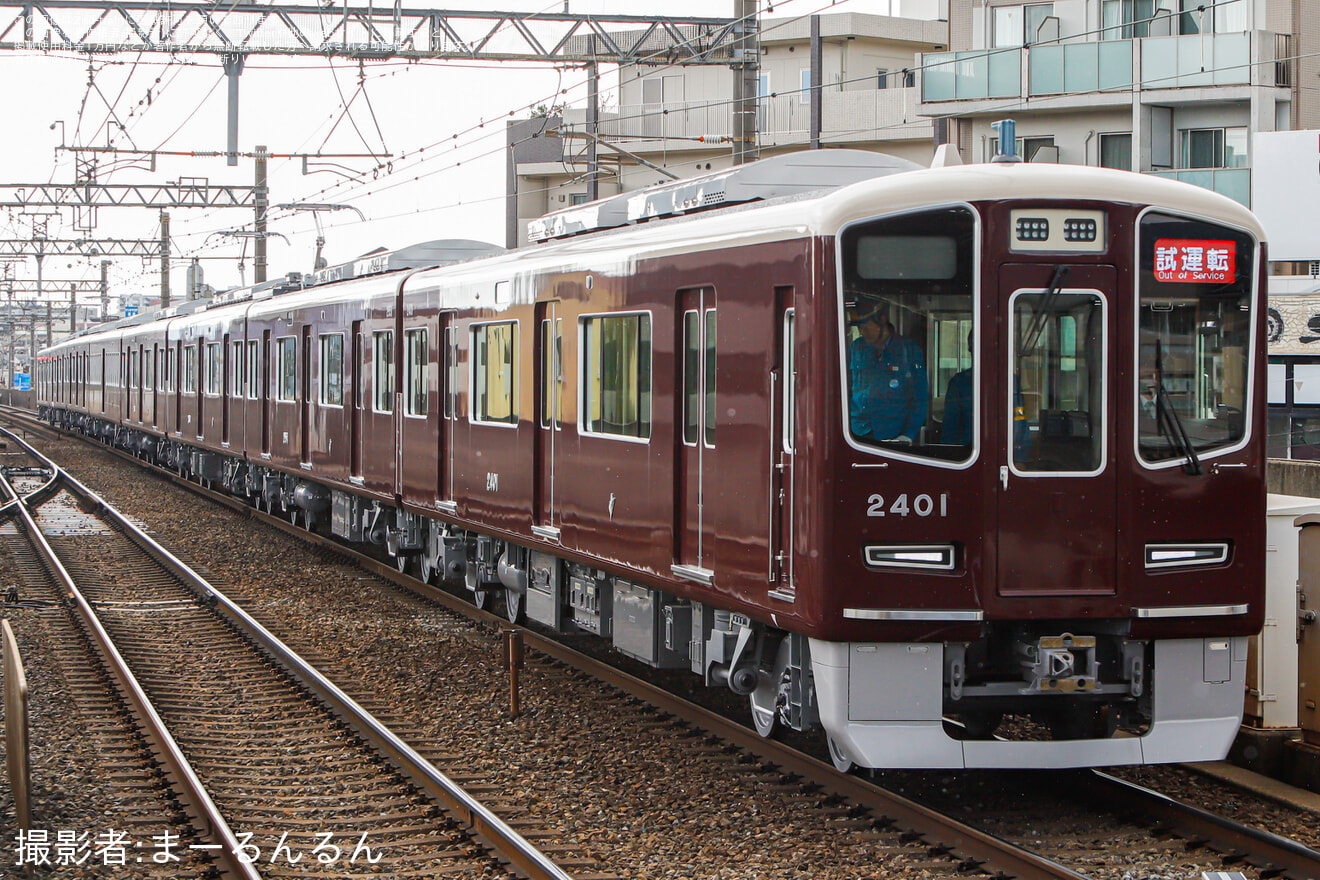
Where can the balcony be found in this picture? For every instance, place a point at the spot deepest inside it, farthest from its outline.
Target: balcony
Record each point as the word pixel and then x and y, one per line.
pixel 1232 182
pixel 853 115
pixel 1087 67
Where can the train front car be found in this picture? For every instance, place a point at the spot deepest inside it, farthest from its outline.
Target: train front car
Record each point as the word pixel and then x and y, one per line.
pixel 1047 493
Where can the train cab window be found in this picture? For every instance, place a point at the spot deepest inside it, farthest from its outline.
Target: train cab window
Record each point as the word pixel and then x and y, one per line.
pixel 1056 412
pixel 1194 345
pixel 286 368
pixel 189 369
pixel 616 386
pixel 382 353
pixel 416 359
pixel 253 369
pixel 214 374
pixel 494 368
pixel 331 390
pixel 911 380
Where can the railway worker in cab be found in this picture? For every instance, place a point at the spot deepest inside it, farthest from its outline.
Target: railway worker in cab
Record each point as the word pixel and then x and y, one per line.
pixel 888 379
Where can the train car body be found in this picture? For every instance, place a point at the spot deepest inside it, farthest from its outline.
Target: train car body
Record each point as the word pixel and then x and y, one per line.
pixel 897 457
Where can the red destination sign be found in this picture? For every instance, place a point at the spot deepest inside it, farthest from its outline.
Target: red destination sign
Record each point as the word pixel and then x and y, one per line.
pixel 1202 262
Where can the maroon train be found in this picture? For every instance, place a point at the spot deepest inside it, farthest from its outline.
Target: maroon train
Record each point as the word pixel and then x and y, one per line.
pixel 1073 530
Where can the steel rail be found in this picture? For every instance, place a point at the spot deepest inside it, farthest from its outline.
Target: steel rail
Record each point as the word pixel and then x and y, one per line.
pixel 201 809
pixel 1262 849
pixel 499 837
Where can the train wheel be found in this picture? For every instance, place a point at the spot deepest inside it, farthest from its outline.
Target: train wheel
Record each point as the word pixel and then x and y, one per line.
pixel 481 597
pixel 513 605
pixel 842 762
pixel 401 562
pixel 425 569
pixel 771 692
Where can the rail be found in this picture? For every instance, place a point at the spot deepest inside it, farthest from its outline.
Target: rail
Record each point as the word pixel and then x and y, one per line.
pixel 494 832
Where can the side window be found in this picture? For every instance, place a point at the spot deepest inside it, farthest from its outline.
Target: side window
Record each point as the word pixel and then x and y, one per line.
pixel 552 359
pixel 699 376
pixel 214 373
pixel 416 361
pixel 236 370
pixel 332 369
pixel 494 357
pixel 382 354
pixel 253 370
pixel 616 389
pixel 189 369
pixel 286 369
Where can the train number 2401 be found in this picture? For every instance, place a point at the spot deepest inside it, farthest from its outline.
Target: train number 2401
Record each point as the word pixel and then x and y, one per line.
pixel 921 505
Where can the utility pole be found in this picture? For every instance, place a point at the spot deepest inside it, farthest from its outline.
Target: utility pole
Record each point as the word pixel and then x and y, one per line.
pixel 105 289
pixel 260 200
pixel 593 124
pixel 164 259
pixel 50 323
pixel 233 67
pixel 817 71
pixel 746 81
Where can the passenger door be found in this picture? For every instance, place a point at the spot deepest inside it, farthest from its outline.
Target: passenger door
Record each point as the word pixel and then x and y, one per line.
pixel 783 403
pixel 1056 477
pixel 695 338
pixel 550 382
pixel 418 411
pixel 450 379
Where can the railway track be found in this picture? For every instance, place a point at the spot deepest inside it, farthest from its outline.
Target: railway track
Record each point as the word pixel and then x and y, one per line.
pixel 274 766
pixel 895 826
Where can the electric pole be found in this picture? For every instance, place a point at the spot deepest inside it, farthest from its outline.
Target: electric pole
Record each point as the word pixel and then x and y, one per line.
pixel 746 81
pixel 261 201
pixel 164 259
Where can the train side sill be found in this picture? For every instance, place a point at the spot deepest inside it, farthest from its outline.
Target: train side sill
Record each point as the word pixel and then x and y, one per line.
pixel 447 506
pixel 549 533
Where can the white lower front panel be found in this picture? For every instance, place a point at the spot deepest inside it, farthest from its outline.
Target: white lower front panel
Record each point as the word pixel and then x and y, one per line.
pixel 881 704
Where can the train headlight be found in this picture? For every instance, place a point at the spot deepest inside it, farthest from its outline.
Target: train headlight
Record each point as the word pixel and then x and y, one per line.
pixel 1182 555
pixel 936 557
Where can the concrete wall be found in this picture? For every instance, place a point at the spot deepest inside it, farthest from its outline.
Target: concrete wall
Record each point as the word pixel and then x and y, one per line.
pixel 1293 477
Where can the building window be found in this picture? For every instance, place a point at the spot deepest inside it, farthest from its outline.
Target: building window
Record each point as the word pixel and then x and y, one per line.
pixel 577 198
pixel 804 88
pixel 882 78
pixel 416 360
pixel 1126 19
pixel 616 355
pixel 1116 151
pixel 286 357
pixel 1028 147
pixel 1214 148
pixel 1019 25
pixel 332 369
pixel 493 365
pixel 382 352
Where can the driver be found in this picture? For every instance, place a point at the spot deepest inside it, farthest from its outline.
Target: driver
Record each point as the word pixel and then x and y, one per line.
pixel 888 373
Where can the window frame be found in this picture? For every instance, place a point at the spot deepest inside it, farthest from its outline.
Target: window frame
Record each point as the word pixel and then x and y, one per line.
pixel 325 360
pixel 377 362
pixel 587 377
pixel 190 360
pixel 410 410
pixel 254 369
pixel 280 362
pixel 476 407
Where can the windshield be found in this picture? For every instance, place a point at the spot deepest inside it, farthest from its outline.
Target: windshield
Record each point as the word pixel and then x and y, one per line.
pixel 911 379
pixel 1194 344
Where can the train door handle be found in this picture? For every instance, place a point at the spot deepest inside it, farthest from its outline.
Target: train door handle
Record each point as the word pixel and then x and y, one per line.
pixel 1003 475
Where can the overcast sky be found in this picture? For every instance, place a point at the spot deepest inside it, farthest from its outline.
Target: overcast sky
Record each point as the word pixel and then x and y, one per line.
pixel 440 186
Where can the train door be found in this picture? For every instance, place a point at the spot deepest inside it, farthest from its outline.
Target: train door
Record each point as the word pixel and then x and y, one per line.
pixel 305 409
pixel 696 436
pixel 227 385
pixel 418 417
pixel 265 393
pixel 783 402
pixel 356 379
pixel 449 388
pixel 1056 478
pixel 550 411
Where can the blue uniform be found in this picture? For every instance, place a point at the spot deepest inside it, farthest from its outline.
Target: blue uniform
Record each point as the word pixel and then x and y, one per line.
pixel 889 388
pixel 958 410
